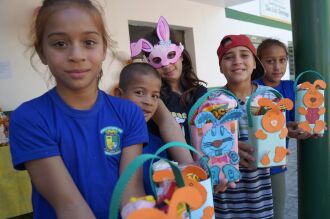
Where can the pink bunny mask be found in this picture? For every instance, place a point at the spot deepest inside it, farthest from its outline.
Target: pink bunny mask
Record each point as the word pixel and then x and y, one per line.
pixel 163 53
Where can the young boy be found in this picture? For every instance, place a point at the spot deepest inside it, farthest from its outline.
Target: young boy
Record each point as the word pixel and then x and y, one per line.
pixel 252 197
pixel 141 83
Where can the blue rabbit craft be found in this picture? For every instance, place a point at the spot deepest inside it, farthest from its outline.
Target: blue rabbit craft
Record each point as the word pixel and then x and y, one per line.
pixel 218 144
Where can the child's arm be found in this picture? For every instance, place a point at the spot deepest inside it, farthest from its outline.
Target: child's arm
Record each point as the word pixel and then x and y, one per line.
pixel 54 183
pixel 134 187
pixel 170 131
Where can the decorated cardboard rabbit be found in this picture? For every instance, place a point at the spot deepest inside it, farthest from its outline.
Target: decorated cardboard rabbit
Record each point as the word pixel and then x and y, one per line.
pixel 310 108
pixel 267 128
pixel 214 132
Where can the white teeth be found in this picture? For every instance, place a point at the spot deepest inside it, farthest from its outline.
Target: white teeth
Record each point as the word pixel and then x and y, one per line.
pixel 238 70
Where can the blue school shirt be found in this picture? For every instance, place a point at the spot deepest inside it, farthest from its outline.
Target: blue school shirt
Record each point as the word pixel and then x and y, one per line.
pixel 286 88
pixel 90 143
pixel 154 144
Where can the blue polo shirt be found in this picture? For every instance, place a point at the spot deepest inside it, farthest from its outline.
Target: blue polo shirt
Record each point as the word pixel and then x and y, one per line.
pixel 90 143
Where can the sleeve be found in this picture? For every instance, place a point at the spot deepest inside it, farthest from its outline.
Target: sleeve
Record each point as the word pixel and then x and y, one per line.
pixel 29 138
pixel 136 128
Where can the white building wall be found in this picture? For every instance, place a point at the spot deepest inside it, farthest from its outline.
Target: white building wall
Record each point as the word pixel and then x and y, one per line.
pixel 208 23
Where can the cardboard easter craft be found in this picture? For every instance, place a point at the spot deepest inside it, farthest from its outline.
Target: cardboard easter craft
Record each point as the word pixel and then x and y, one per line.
pixel 193 176
pixel 267 127
pixel 213 124
pixel 309 102
pixel 186 192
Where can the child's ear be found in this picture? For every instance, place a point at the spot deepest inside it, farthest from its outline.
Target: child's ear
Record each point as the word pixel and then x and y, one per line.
pixel 118 92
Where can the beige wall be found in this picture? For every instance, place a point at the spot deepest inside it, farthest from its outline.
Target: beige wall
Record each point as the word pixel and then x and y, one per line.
pixel 208 24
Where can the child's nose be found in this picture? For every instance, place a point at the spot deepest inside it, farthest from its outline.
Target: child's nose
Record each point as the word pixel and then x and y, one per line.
pixel 277 64
pixel 237 60
pixel 76 53
pixel 148 100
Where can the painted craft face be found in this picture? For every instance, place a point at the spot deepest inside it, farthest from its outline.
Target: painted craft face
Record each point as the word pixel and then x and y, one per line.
pixel 163 53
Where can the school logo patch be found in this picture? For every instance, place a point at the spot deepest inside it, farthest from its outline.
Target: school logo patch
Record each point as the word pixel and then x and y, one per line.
pixel 111 140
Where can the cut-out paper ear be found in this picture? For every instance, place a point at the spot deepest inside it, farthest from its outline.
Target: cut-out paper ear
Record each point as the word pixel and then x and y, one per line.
pixel 163 30
pixel 140 45
pixel 203 117
pixel 320 83
pixel 234 114
pixel 306 85
pixel 286 102
pixel 266 102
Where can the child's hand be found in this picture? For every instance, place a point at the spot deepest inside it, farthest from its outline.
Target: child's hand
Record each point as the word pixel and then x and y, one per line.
pixel 245 152
pixel 295 132
pixel 223 186
pixel 133 206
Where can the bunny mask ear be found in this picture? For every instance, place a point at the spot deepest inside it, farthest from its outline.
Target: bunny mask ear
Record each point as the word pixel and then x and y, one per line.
pixel 163 53
pixel 163 30
pixel 140 45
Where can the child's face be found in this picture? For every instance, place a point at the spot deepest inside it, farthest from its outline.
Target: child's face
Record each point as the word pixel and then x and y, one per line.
pixel 172 72
pixel 73 49
pixel 237 64
pixel 274 60
pixel 144 90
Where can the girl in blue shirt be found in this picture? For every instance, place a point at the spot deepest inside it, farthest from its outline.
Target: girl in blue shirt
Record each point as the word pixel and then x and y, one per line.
pixel 75 140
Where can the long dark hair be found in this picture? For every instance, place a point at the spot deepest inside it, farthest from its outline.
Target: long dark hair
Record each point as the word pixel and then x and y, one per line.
pixel 189 82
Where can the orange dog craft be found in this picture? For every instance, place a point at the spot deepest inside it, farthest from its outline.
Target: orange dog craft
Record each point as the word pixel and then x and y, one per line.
pixel 310 106
pixel 267 129
pixel 187 192
pixel 182 195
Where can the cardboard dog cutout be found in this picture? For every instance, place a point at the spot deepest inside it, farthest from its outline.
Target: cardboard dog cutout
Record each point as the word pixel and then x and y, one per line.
pixel 310 108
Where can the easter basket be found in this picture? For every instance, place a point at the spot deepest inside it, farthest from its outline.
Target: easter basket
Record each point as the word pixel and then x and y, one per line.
pixel 213 125
pixel 197 196
pixel 267 126
pixel 309 101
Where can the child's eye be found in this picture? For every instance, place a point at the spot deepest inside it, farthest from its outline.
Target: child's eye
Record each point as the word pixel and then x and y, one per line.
pixel 157 60
pixel 155 96
pixel 89 43
pixel 283 60
pixel 270 61
pixel 228 57
pixel 139 92
pixel 171 55
pixel 60 44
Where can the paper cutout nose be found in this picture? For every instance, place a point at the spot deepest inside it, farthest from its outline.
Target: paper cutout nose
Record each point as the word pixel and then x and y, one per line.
pixel 274 122
pixel 313 99
pixel 217 143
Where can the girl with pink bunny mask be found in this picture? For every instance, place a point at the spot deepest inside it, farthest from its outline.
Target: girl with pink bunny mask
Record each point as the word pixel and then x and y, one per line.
pixel 180 85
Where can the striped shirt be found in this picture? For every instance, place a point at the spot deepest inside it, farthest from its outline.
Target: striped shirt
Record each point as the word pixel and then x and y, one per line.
pixel 252 197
